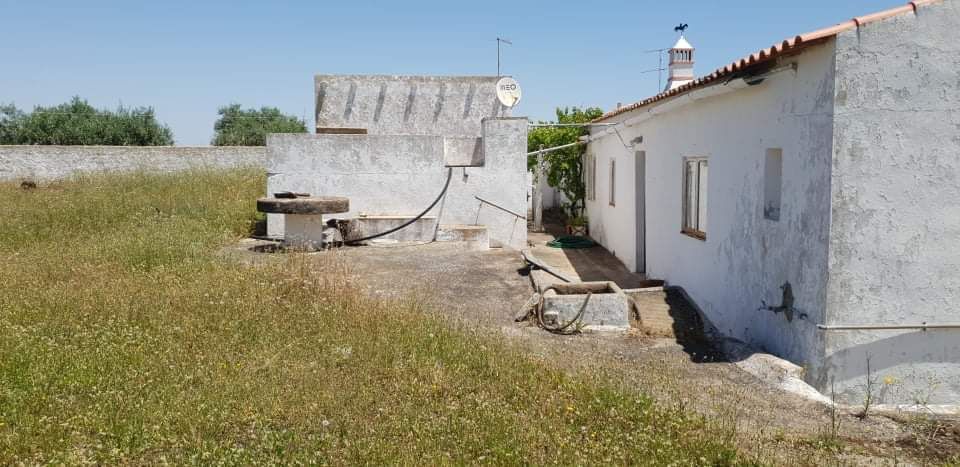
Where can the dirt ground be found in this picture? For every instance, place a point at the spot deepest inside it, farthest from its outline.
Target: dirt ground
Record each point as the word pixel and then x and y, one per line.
pixel 486 289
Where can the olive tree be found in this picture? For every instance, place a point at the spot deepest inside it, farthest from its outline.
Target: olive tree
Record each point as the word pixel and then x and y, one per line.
pixel 78 123
pixel 249 127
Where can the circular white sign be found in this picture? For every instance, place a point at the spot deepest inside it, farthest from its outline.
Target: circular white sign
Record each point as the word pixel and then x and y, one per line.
pixel 508 91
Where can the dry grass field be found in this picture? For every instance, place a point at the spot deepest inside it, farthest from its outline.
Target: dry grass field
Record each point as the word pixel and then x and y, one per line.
pixel 125 339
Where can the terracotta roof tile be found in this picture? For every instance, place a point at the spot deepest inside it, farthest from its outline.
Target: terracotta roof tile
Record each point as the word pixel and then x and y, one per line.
pixel 787 47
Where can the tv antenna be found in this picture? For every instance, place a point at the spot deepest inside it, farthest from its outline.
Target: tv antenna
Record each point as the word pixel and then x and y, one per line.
pixel 659 69
pixel 501 40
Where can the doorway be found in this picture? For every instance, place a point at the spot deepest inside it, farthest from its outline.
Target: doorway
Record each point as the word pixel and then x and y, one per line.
pixel 640 186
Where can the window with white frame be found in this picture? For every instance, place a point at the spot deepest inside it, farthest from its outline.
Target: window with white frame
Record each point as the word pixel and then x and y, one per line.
pixel 695 197
pixel 613 182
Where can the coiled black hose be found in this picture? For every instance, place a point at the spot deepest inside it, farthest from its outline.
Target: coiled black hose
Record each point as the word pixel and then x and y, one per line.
pixel 560 329
pixel 411 221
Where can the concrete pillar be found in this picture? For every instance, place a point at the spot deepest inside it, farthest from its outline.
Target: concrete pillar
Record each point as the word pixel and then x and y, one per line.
pixel 538 193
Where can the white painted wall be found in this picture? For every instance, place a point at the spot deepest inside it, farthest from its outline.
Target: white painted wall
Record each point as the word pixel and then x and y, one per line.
pixel 894 253
pixel 745 258
pixel 400 175
pixel 552 197
pixel 41 162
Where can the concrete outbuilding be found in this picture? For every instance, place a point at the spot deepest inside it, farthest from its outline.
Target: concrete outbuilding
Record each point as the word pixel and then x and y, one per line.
pixel 395 144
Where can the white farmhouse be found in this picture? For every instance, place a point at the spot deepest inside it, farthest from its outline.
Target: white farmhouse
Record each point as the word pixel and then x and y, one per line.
pixel 807 199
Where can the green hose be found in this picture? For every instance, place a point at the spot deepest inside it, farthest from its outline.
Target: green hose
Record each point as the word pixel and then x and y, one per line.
pixel 572 242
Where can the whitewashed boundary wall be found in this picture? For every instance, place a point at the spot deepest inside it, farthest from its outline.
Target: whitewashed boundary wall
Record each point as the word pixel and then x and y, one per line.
pixel 43 163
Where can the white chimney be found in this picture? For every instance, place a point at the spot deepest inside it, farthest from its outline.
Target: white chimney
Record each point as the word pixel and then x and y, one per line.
pixel 681 64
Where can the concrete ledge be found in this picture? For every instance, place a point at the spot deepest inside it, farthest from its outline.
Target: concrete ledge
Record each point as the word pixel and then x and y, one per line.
pixel 475 236
pixel 422 230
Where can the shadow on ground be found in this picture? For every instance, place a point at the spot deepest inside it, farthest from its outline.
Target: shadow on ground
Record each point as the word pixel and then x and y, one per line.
pixel 670 361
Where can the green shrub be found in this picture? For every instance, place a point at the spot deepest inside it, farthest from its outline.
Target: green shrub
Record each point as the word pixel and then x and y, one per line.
pixel 78 123
pixel 250 127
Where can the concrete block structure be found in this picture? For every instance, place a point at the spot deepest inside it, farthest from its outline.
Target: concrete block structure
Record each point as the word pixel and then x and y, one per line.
pixel 804 198
pixel 451 106
pixel 389 143
pixel 591 306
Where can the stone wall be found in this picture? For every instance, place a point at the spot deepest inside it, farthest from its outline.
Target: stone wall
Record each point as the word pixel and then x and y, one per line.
pixel 57 162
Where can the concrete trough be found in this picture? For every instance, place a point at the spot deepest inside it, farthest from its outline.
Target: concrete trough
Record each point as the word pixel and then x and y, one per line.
pixel 608 308
pixel 421 230
pixel 425 229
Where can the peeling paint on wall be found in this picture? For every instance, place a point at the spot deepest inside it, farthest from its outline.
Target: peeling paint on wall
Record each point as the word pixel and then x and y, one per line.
pixel 746 257
pixel 868 127
pixel 896 220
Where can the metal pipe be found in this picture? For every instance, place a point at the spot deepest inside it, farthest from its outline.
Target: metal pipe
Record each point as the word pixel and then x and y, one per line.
pixel 500 208
pixel 869 327
pixel 556 148
pixel 528 257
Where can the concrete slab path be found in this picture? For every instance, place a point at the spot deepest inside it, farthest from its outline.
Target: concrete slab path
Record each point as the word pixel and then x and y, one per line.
pixel 485 289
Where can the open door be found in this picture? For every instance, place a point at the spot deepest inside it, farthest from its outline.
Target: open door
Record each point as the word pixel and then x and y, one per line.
pixel 640 186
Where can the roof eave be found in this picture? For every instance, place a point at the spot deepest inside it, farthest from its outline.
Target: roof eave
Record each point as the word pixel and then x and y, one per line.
pixel 787 47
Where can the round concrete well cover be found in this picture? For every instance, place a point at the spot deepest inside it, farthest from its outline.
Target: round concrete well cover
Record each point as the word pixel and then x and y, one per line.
pixel 311 205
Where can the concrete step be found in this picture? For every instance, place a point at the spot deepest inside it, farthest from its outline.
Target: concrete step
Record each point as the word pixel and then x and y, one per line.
pixel 666 313
pixel 475 236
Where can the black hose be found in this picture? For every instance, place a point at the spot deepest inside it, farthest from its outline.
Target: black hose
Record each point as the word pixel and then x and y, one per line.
pixel 411 221
pixel 561 329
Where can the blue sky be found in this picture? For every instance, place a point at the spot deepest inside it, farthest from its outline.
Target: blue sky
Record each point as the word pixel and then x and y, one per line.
pixel 187 58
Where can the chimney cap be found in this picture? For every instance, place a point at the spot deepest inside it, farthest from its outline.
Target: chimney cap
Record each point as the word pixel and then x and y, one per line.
pixel 682 44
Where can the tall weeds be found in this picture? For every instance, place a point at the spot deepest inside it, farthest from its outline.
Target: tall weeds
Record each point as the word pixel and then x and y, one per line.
pixel 124 338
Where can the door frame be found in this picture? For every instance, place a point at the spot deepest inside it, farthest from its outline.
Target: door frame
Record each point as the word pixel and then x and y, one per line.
pixel 640 201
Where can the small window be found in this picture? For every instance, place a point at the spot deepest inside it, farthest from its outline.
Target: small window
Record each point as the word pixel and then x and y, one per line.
pixel 773 184
pixel 613 182
pixel 695 197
